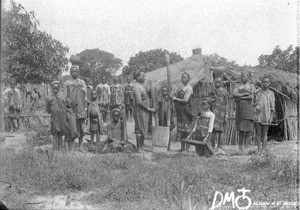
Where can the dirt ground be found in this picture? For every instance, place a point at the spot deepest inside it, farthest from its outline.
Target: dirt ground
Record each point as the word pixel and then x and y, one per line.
pixel 15 142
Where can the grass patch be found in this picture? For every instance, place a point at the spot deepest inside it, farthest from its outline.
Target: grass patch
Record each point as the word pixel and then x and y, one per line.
pixel 126 181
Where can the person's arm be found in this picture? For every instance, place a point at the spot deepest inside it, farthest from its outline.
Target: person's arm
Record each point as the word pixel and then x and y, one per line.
pixel 272 106
pixel 237 94
pixel 110 134
pixel 210 126
pixel 47 104
pixel 194 129
pixel 138 99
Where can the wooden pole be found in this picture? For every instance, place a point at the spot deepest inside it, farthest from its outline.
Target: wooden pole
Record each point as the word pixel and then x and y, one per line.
pixel 1 70
pixel 169 104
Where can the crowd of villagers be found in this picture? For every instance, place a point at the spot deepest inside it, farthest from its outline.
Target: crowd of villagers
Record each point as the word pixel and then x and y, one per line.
pixel 74 106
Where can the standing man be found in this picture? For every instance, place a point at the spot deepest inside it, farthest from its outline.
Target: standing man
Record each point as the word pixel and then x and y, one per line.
pixel 103 91
pixel 77 92
pixel 129 98
pixel 12 104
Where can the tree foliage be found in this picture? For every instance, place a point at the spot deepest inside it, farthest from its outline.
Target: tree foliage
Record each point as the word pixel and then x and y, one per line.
pixel 150 60
pixel 29 55
pixel 96 63
pixel 286 60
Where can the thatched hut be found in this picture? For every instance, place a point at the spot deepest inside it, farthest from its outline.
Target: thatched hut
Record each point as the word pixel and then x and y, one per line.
pixel 284 85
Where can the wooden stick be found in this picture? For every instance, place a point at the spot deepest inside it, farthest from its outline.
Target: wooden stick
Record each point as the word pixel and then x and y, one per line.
pixel 169 101
pixel 153 103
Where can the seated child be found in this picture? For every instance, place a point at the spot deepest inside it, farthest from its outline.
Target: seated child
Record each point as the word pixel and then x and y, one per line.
pixel 117 140
pixel 56 106
pixel 203 128
pixel 73 131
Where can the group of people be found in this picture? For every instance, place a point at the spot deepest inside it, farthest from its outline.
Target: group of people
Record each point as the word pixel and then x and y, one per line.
pixel 76 111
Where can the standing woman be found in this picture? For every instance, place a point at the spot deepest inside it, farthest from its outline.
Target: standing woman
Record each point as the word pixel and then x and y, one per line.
pixel 141 109
pixel 243 94
pixel 220 108
pixel 183 109
pixel 77 92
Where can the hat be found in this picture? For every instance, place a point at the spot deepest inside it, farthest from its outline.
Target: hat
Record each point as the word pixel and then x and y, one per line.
pixel 116 111
pixel 55 82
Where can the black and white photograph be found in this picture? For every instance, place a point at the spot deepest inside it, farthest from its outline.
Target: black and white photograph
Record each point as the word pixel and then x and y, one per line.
pixel 149 105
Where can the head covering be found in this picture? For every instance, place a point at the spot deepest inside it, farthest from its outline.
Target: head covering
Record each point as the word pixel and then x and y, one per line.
pixel 116 111
pixel 55 82
pixel 186 74
pixel 208 99
pixel 75 66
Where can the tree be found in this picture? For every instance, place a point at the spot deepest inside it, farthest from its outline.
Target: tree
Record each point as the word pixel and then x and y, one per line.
pixel 29 55
pixel 150 60
pixel 95 63
pixel 286 60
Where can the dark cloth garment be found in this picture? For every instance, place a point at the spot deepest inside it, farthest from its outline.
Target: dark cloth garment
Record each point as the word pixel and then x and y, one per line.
pixel 163 105
pixel 56 106
pixel 72 123
pixel 184 114
pixel 219 108
pixel 129 95
pixel 76 90
pixel 116 95
pixel 141 116
pixel 95 122
pixel 115 131
pixel 199 135
pixel 244 115
pixel 79 124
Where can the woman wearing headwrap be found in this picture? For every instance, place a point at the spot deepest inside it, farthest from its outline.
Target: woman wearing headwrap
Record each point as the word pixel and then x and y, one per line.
pixel 243 94
pixel 183 109
pixel 141 109
pixel 76 91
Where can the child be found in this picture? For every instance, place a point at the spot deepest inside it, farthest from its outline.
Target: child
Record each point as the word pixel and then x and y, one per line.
pixel 163 106
pixel 56 106
pixel 116 136
pixel 116 95
pixel 12 98
pixel 103 91
pixel 220 108
pixel 129 98
pixel 264 111
pixel 71 120
pixel 94 117
pixel 203 128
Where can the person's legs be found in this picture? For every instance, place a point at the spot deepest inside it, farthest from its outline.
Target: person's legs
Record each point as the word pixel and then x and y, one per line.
pixel 98 136
pixel 214 139
pixel 81 133
pixel 258 129
pixel 92 136
pixel 247 138
pixel 54 142
pixel 138 142
pixel 220 140
pixel 59 142
pixel 241 140
pixel 264 136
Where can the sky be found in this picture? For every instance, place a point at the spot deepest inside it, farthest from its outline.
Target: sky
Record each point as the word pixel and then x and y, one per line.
pixel 237 30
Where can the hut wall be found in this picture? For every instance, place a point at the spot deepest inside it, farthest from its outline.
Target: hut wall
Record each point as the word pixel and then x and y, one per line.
pixel 291 119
